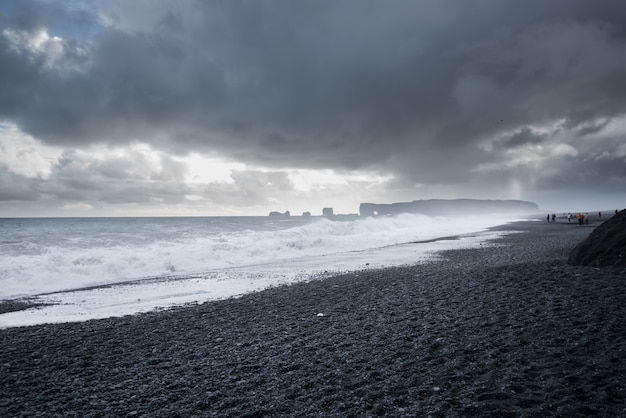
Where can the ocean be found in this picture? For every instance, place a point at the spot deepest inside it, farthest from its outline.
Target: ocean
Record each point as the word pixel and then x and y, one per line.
pixel 88 268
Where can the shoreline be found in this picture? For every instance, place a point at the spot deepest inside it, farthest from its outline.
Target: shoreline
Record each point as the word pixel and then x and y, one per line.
pixel 79 304
pixel 506 329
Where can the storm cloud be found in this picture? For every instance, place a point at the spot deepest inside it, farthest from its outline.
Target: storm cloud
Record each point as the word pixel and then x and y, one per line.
pixel 446 93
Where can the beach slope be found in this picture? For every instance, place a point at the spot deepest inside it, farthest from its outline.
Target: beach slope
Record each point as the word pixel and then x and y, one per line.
pixel 505 330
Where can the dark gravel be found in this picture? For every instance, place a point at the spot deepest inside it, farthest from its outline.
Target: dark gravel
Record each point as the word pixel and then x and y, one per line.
pixel 499 331
pixel 605 246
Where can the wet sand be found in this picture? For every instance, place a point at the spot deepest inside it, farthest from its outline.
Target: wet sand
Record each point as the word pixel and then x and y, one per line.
pixel 505 330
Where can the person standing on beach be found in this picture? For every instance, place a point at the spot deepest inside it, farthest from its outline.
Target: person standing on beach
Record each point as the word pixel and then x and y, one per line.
pixel 569 217
pixel 548 218
pixel 554 217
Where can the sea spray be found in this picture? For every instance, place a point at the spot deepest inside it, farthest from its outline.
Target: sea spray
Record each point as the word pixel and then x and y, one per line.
pixel 50 255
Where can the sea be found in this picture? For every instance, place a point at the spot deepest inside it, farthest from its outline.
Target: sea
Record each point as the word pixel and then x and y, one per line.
pixel 78 269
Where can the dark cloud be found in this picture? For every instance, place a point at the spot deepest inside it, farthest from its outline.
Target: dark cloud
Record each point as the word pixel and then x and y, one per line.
pixel 411 88
pixel 589 126
pixel 522 137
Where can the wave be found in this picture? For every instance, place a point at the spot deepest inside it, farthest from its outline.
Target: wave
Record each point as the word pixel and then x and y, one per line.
pixel 126 254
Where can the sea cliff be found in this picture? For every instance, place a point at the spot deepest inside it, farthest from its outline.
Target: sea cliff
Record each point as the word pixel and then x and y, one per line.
pixel 444 207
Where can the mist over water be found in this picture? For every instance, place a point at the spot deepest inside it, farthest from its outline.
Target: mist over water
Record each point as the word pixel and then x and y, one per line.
pixel 165 261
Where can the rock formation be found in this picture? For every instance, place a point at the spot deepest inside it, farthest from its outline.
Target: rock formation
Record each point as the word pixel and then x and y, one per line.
pixel 455 207
pixel 605 246
pixel 278 214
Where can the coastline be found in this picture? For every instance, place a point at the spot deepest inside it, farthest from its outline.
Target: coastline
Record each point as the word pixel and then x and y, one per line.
pixel 506 329
pixel 75 296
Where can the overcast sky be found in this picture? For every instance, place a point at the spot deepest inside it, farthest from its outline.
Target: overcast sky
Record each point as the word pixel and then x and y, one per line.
pixel 189 107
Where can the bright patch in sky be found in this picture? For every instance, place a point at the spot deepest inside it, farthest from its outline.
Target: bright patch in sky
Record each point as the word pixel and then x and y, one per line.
pixel 24 155
pixel 52 49
pixel 201 176
pixel 202 169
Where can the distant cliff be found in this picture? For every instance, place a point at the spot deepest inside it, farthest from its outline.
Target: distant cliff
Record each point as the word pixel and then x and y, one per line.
pixel 278 214
pixel 435 207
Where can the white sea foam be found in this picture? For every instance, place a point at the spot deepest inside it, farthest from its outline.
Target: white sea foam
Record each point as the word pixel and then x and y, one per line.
pixel 171 261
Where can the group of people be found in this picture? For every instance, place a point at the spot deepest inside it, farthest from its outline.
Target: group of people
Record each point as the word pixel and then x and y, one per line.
pixel 583 218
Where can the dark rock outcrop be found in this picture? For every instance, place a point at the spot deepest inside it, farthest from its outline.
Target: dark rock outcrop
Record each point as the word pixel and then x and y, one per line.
pixel 605 246
pixel 278 214
pixel 454 207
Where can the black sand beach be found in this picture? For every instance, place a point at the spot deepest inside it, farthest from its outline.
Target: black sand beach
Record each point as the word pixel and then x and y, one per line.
pixel 507 330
